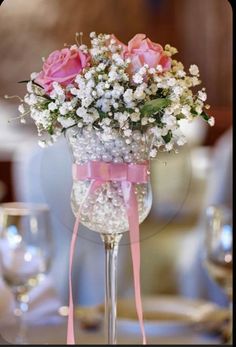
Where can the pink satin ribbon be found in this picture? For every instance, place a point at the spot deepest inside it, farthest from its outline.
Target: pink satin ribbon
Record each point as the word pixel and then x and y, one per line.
pixel 99 172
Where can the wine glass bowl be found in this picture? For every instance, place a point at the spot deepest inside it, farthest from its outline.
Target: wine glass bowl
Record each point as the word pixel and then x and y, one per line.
pixel 104 210
pixel 218 259
pixel 218 247
pixel 26 249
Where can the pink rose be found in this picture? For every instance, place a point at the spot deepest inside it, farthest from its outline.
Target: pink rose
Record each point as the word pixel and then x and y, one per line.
pixel 62 67
pixel 142 50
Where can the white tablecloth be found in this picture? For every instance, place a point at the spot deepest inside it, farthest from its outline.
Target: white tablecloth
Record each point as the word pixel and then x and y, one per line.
pixel 56 334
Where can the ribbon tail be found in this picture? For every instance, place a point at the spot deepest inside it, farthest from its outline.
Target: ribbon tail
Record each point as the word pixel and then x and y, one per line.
pixel 132 212
pixel 70 323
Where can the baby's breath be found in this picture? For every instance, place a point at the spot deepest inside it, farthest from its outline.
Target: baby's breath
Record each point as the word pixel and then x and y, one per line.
pixel 106 96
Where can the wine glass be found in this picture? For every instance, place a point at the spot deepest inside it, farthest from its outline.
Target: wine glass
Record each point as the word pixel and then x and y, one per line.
pixel 103 209
pixel 218 248
pixel 26 248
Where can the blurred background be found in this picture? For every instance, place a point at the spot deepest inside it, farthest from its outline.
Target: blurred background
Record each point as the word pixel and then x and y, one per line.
pixel 183 184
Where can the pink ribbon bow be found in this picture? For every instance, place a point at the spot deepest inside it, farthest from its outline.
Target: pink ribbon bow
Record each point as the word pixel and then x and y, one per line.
pixel 99 172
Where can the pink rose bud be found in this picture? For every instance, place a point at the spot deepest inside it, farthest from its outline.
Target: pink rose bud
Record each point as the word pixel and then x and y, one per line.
pixel 142 50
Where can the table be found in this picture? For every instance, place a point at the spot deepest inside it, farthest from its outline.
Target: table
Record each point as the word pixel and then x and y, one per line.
pixel 56 334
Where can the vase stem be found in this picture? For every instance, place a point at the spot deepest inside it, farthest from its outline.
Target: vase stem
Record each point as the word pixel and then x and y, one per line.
pixel 111 243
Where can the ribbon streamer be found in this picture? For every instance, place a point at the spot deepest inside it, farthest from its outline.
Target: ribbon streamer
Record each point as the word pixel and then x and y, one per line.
pixel 100 172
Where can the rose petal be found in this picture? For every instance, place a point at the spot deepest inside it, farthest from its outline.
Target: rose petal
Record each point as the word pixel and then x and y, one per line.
pixel 136 41
pixel 165 62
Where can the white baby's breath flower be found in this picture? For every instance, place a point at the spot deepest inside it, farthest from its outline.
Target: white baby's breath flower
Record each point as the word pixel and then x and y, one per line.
pixel 73 91
pixel 63 110
pixel 29 87
pixel 118 59
pixel 137 78
pixel 153 88
pixel 106 121
pixel 211 121
pixel 194 70
pixel 128 132
pixel 186 110
pixel 198 109
pixel 21 108
pixel 88 75
pixel 195 81
pixel 144 121
pixel 87 101
pixel 107 94
pixel 31 99
pixel 105 105
pixel 139 93
pixel 92 35
pixel 169 146
pixel 171 82
pixel 83 48
pixel 58 89
pixel 151 120
pixel 128 96
pixel 180 73
pixel 159 68
pixel 81 111
pixel 143 70
pixel 135 117
pixel 181 141
pixel 112 76
pixel 177 90
pixel 169 120
pixel 42 143
pixel 152 71
pixel 66 122
pixel 202 95
pixel 153 153
pixel 52 106
pixel 117 91
pixel 33 75
pixel 121 116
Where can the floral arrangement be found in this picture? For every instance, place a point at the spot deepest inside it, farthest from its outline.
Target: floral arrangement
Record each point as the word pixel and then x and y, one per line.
pixel 115 87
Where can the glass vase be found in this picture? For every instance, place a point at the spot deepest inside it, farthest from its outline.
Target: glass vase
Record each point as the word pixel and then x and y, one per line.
pixel 103 209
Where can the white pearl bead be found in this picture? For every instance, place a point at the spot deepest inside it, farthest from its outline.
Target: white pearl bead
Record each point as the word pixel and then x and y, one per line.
pixel 107 157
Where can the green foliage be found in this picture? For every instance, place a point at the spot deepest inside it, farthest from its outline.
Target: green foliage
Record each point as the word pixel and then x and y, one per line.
pixel 153 106
pixel 167 137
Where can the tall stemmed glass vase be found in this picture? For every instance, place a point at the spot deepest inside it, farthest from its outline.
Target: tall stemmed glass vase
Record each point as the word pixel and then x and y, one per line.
pixel 101 204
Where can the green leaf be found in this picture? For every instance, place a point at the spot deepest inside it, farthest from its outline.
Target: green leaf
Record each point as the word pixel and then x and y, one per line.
pixel 25 81
pixel 38 85
pixel 167 137
pixel 194 113
pixel 180 116
pixel 102 114
pixel 50 130
pixel 205 116
pixel 153 106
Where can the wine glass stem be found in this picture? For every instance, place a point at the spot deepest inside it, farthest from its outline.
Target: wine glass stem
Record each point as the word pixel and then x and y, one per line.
pixel 111 243
pixel 22 328
pixel 230 339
